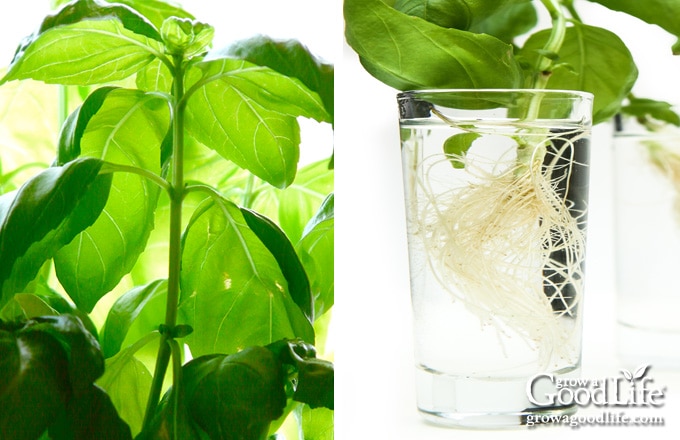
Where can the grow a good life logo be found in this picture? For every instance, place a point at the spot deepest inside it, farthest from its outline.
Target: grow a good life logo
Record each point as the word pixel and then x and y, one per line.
pixel 632 389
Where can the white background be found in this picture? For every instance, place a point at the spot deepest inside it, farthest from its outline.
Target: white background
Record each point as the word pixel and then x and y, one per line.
pixel 372 328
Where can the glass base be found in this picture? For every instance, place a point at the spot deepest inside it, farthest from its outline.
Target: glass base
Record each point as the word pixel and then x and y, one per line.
pixel 637 346
pixel 479 403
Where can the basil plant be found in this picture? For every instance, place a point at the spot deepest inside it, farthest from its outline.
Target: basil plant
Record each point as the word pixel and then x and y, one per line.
pixel 168 272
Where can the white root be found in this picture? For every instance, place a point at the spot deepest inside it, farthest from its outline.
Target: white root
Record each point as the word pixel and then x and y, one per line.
pixel 491 242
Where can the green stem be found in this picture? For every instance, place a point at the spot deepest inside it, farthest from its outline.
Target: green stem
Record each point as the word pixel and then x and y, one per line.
pixel 176 378
pixel 177 192
pixel 569 4
pixel 212 192
pixel 553 45
pixel 110 167
pixel 544 65
pixel 248 194
pixel 62 110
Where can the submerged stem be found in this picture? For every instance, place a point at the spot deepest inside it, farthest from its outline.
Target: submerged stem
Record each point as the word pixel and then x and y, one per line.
pixel 510 246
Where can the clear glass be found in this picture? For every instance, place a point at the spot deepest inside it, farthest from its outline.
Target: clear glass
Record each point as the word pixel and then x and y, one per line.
pixel 496 188
pixel 647 237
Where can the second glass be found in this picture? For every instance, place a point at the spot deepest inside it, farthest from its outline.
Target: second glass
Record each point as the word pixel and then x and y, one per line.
pixel 647 206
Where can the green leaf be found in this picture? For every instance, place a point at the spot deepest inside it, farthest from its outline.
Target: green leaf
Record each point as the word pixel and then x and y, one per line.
pixel 156 11
pixel 407 52
pixel 317 424
pixel 458 14
pixel 247 113
pixel 601 64
pixel 45 214
pixel 74 127
pixel 225 397
pixel 315 383
pixel 186 37
pixel 43 301
pixel 262 85
pixel 307 194
pixel 82 10
pixel 445 13
pixel 89 414
pixel 456 146
pixel 663 13
pixel 290 58
pixel 644 108
pixel 233 292
pixel 33 369
pixel 85 361
pixel 292 207
pixel 127 381
pixel 510 21
pixel 33 305
pixel 281 248
pixel 125 311
pixel 154 77
pixel 47 366
pixel 314 377
pixel 128 129
pixel 316 251
pixel 87 42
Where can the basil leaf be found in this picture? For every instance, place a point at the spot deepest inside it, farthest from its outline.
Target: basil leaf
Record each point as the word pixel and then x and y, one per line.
pixel 52 362
pixel 125 311
pixel 87 415
pixel 233 292
pixel 81 10
pixel 223 397
pixel 454 14
pixel 314 377
pixel 127 381
pixel 317 423
pixel 410 53
pixel 316 251
pixel 458 14
pixel 87 42
pixel 247 113
pixel 33 305
pixel 44 215
pixel 659 110
pixel 292 207
pixel 315 383
pixel 85 361
pixel 74 126
pixel 457 146
pixel 281 248
pixel 599 63
pixel 32 369
pixel 508 22
pixel 153 77
pixel 128 129
pixel 663 13
pixel 290 58
pixel 156 11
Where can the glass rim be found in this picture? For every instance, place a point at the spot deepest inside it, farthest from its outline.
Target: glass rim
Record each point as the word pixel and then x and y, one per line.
pixel 470 91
